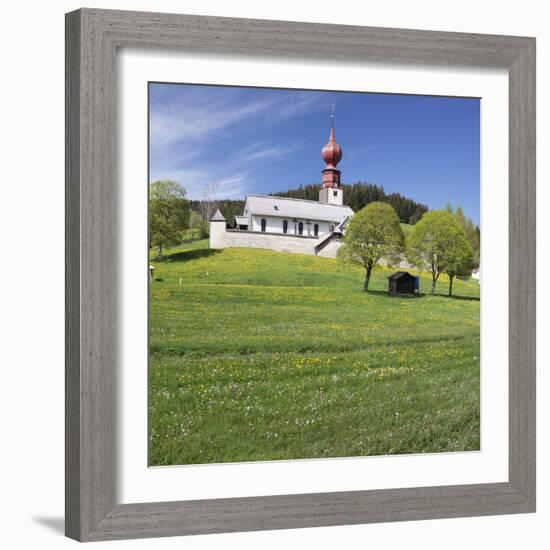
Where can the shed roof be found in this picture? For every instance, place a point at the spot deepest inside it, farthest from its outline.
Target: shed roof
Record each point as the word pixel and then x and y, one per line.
pixel 266 205
pixel 399 274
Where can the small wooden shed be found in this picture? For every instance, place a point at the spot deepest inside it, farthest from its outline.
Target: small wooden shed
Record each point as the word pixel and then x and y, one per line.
pixel 402 282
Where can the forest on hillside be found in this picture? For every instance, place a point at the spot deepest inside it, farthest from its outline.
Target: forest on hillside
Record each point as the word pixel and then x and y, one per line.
pixel 359 194
pixel 356 196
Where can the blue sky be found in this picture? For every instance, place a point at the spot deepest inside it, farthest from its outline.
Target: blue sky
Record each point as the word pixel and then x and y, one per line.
pixel 261 140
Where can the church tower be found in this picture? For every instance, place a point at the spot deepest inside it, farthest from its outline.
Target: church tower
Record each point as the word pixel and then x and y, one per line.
pixel 331 192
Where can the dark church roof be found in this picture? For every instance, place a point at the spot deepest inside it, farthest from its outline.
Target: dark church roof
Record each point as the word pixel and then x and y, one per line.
pixel 399 274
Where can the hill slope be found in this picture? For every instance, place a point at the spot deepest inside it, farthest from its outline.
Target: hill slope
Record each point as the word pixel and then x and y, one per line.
pixel 259 355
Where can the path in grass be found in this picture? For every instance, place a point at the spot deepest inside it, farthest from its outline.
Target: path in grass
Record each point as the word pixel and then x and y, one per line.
pixel 258 355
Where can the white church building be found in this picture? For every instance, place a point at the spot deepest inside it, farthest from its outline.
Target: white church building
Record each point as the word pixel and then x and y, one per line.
pixel 291 225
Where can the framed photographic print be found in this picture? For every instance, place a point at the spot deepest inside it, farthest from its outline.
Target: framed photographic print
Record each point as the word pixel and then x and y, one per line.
pixel 300 275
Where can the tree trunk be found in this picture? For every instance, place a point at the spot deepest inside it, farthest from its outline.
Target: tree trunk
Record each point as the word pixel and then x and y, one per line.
pixel 160 252
pixel 451 285
pixel 434 280
pixel 367 279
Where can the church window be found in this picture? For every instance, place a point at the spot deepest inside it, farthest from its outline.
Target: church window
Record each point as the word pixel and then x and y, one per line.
pixel 285 226
pixel 316 229
pixel 263 224
pixel 301 228
pixel 335 193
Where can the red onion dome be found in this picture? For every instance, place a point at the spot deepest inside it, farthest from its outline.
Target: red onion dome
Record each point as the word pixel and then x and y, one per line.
pixel 331 152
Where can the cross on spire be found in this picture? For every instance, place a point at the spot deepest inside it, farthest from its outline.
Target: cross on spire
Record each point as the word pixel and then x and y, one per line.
pixel 332 112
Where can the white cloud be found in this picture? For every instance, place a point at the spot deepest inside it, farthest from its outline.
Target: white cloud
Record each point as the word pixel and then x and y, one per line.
pixel 199 112
pixel 265 151
pixel 194 119
pixel 183 129
pixel 358 151
pixel 196 181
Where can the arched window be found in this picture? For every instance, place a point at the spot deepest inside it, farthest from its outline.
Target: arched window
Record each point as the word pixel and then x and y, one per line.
pixel 263 224
pixel 285 226
pixel 316 229
pixel 301 228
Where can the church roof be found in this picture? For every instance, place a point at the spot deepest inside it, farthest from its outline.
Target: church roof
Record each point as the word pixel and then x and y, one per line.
pixel 283 207
pixel 217 217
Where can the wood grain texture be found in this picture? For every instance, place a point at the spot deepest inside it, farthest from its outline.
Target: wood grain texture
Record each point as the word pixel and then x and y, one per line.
pixel 91 207
pixel 522 275
pixel 72 276
pixel 92 37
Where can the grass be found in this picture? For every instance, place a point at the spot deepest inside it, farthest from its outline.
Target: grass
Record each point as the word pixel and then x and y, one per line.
pixel 407 228
pixel 259 355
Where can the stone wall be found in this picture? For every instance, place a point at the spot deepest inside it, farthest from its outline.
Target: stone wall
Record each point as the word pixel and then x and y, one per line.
pixel 221 237
pixel 278 242
pixel 330 250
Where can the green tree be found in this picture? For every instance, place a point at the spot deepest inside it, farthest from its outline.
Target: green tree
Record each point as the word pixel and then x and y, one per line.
pixel 472 232
pixel 438 244
pixel 373 234
pixel 458 257
pixel 168 214
pixel 197 225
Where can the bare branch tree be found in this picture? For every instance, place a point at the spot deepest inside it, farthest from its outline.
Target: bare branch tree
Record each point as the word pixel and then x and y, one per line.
pixel 209 202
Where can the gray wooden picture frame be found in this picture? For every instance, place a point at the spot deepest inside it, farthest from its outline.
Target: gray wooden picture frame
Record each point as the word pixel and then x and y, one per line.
pixel 92 39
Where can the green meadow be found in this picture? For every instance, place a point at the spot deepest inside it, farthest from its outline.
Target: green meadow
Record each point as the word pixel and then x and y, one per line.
pixel 259 355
